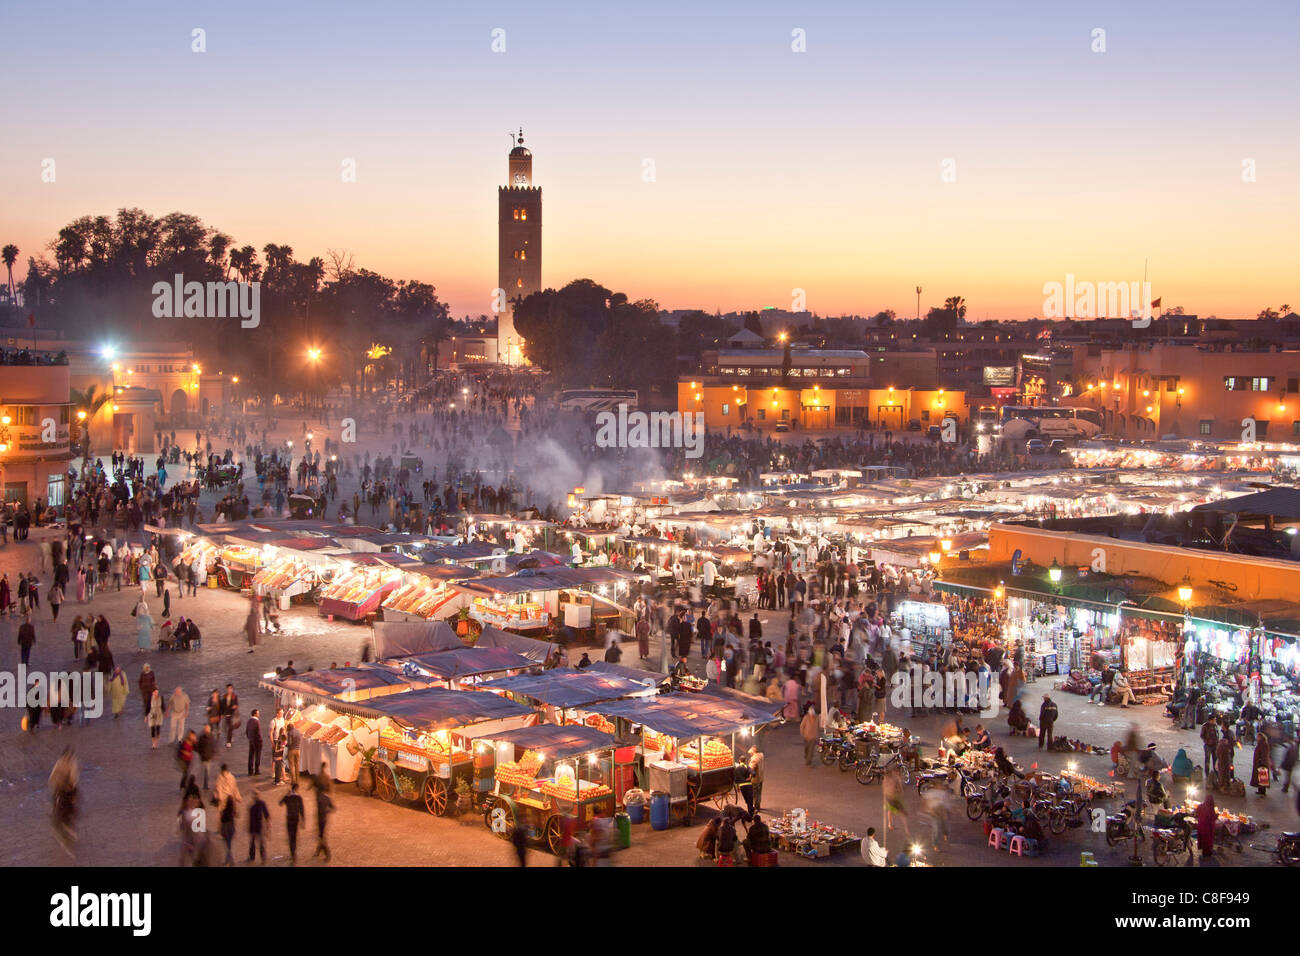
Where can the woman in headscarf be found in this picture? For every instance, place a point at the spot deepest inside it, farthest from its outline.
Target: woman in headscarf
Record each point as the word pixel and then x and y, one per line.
pixel 155 718
pixel 144 640
pixel 791 696
pixel 1206 815
pixel 118 691
pixel 1223 759
pixel 1261 766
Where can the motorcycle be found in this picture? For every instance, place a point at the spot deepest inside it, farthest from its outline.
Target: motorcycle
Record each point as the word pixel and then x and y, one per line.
pixel 1123 826
pixel 1171 844
pixel 828 748
pixel 873 768
pixel 1287 851
pixel 980 802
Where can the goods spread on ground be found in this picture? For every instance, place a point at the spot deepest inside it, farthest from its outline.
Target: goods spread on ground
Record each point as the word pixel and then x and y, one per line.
pixel 793 831
pixel 1081 781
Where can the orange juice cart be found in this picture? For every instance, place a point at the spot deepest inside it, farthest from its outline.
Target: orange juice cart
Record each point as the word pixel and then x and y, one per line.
pixel 550 781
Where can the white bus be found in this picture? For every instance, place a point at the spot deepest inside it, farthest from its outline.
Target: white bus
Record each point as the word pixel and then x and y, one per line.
pixel 597 399
pixel 1020 422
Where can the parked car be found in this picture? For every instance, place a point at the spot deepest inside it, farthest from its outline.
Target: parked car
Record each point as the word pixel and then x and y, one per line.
pixel 783 426
pixel 914 425
pixel 1057 446
pixel 1035 446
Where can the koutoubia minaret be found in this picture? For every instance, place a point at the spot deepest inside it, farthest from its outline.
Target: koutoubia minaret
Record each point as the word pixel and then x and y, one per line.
pixel 519 247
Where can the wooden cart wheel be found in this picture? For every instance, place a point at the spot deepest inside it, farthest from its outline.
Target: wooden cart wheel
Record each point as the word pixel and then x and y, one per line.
pixel 435 796
pixel 385 783
pixel 693 797
pixel 500 819
pixel 727 798
pixel 554 834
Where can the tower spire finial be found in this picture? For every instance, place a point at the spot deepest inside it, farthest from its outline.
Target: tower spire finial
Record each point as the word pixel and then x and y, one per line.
pixel 521 136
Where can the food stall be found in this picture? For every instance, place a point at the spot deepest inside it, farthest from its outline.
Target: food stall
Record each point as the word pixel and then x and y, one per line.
pixel 237 564
pixel 428 591
pixel 561 696
pixel 547 781
pixel 358 591
pixel 198 552
pixel 691 736
pixel 425 741
pixel 329 735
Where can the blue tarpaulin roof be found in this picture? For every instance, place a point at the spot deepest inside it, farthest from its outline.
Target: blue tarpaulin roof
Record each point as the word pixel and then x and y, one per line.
pixel 439 709
pixel 571 740
pixel 566 686
pixel 464 661
pixel 634 673
pixel 685 716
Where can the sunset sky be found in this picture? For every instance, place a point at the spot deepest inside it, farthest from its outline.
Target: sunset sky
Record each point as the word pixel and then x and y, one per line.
pixel 774 170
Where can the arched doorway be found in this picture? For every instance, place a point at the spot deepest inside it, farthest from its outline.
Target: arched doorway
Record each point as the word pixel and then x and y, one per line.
pixel 180 405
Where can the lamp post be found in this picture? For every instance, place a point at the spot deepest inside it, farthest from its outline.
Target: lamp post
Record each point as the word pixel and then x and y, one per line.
pixel 313 356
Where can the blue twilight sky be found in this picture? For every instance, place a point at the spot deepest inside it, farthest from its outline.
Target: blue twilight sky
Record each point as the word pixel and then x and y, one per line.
pixel 773 170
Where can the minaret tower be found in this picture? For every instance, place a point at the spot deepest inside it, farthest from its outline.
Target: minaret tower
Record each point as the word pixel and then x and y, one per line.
pixel 519 246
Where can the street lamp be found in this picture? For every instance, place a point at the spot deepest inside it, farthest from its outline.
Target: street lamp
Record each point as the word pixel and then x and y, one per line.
pixel 1054 572
pixel 1185 592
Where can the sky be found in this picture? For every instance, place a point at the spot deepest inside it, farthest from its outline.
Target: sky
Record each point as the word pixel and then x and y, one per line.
pixel 974 149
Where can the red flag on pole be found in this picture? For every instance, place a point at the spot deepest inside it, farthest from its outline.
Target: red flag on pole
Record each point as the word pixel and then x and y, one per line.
pixel 31 321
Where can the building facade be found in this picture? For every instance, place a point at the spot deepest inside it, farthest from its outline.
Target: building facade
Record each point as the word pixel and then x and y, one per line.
pixel 1199 392
pixel 823 390
pixel 36 422
pixel 519 248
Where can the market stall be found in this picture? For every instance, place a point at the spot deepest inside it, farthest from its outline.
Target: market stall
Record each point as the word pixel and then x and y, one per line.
pixel 357 592
pixel 237 564
pixel 687 743
pixel 330 735
pixel 428 592
pixel 425 741
pixel 794 832
pixel 548 781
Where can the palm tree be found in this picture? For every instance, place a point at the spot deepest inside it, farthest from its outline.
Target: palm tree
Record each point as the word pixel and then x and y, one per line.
pixel 90 401
pixel 957 305
pixel 9 254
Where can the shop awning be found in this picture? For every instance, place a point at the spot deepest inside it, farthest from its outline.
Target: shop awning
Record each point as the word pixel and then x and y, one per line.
pixel 463 662
pixel 437 709
pixel 339 680
pixel 649 678
pixel 558 743
pixel 567 686
pixel 684 716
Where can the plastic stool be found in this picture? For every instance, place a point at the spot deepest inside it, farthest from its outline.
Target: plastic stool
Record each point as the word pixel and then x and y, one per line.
pixel 1087 859
pixel 1031 847
pixel 995 838
pixel 1016 845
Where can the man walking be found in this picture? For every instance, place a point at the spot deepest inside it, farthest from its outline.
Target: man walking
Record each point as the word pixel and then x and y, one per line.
pixel 808 731
pixel 259 815
pixel 294 751
pixel 205 748
pixel 1210 742
pixel 26 637
pixel 293 811
pixel 1047 714
pixel 324 807
pixel 254 732
pixel 230 712
pixel 178 713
